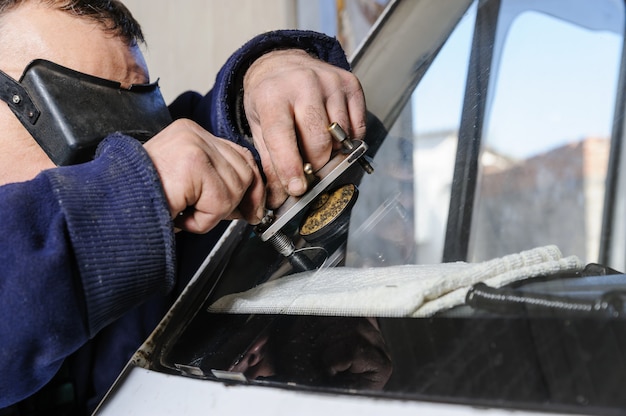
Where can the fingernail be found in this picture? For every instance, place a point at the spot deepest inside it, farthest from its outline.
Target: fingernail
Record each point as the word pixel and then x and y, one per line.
pixel 296 186
pixel 261 213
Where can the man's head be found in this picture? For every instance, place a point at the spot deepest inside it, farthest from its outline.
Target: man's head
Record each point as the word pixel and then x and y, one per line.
pixel 112 15
pixel 99 38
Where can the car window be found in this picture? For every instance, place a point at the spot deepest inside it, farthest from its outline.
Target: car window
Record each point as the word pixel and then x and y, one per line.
pixel 546 140
pixel 544 145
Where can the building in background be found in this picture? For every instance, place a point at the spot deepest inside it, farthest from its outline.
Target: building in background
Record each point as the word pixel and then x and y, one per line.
pixel 560 192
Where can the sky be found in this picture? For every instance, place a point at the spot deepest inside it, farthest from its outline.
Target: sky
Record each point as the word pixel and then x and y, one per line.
pixel 556 83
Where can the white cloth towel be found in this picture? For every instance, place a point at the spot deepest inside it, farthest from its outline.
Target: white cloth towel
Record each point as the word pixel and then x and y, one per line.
pixel 396 291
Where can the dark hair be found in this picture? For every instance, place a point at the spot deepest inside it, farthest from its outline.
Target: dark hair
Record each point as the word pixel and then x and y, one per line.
pixel 111 15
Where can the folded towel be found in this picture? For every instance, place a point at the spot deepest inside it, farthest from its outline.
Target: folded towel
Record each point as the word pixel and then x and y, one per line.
pixel 396 291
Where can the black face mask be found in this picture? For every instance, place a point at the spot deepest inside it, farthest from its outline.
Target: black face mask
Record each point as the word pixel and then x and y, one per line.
pixel 69 113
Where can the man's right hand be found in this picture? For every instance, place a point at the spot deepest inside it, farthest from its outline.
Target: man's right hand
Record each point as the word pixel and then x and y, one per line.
pixel 206 179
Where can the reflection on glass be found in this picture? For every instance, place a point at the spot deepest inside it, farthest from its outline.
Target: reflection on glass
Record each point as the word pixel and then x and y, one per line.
pixel 545 146
pixel 328 351
pixel 385 238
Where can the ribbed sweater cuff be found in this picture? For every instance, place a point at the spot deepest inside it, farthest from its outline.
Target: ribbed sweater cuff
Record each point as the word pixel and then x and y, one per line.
pixel 228 118
pixel 120 228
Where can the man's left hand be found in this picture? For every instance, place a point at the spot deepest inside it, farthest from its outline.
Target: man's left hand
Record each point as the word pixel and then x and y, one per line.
pixel 290 98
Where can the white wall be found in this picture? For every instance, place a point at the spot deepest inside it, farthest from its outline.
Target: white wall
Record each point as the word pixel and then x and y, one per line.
pixel 188 41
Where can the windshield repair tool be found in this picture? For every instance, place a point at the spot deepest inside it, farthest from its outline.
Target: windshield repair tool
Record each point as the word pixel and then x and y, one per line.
pixel 270 227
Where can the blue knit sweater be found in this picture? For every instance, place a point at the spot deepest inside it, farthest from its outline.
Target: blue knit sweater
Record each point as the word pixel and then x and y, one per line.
pixel 88 253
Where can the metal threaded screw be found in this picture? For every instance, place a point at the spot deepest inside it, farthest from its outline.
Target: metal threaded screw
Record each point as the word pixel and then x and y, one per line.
pixel 282 244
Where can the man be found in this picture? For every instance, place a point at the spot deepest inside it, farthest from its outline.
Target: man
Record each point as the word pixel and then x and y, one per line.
pixel 88 250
